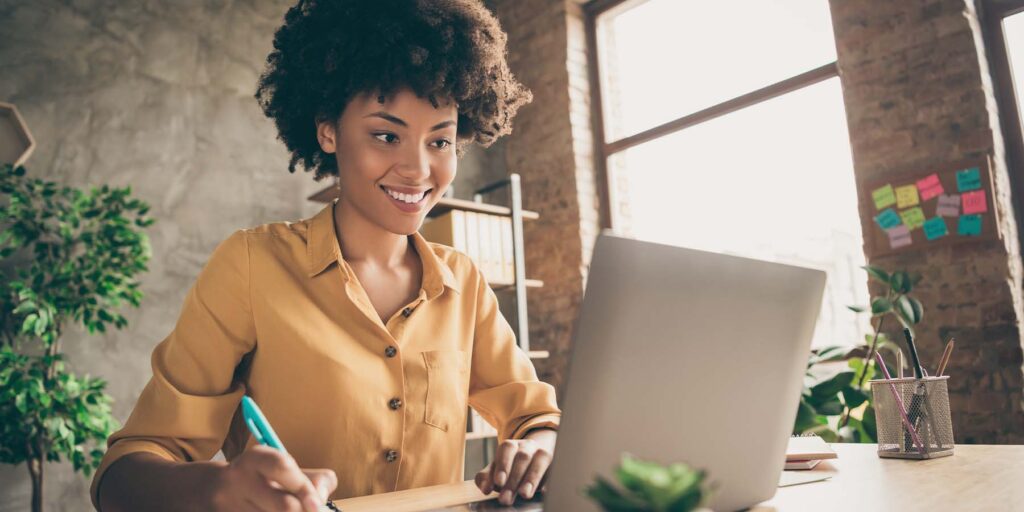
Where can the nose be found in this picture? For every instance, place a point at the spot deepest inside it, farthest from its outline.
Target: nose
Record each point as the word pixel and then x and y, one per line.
pixel 415 164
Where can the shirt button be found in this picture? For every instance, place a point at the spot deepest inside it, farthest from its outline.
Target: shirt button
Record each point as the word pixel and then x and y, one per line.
pixel 394 404
pixel 390 351
pixel 391 455
pixel 406 312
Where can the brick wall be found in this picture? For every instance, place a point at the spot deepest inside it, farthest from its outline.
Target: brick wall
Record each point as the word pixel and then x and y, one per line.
pixel 552 148
pixel 917 92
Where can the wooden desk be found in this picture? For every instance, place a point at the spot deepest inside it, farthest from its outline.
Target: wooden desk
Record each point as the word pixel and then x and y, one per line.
pixel 976 477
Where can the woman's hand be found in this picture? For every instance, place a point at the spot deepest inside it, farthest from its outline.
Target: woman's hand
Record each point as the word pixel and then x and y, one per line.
pixel 265 479
pixel 519 466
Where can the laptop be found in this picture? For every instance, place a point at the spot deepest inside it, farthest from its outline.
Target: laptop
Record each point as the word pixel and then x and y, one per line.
pixel 682 355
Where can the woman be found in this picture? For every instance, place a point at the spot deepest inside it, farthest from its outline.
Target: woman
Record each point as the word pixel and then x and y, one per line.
pixel 362 343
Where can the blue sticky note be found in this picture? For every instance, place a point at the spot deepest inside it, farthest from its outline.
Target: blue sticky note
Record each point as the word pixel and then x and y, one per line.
pixel 969 225
pixel 888 219
pixel 935 227
pixel 968 179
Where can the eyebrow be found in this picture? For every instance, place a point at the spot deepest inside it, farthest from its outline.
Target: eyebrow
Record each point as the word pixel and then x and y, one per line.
pixel 388 117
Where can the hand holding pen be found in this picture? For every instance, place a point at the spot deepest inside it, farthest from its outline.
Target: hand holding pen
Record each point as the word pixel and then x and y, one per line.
pixel 267 478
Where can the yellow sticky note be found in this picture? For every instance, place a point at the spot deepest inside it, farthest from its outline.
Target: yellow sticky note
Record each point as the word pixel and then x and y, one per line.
pixel 913 217
pixel 907 196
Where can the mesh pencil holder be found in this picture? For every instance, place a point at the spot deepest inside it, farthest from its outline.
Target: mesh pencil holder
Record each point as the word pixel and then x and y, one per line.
pixel 912 418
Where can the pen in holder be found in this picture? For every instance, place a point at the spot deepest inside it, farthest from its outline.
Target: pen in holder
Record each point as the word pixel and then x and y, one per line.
pixel 912 417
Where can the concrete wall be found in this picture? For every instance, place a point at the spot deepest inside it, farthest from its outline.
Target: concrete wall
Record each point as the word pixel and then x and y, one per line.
pixel 156 95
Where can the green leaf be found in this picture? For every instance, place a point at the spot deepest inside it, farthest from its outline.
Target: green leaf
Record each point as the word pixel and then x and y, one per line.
pixel 877 274
pixel 854 397
pixel 857 309
pixel 829 353
pixel 910 309
pixel 611 499
pixel 830 407
pixel 901 282
pixel 880 306
pixel 29 325
pixel 831 387
pixel 805 415
pixel 868 421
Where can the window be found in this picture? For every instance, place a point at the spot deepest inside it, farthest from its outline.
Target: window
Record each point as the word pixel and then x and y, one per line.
pixel 1014 27
pixel 728 133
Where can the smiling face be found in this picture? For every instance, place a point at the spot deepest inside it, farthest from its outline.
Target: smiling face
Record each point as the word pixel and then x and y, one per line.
pixel 396 157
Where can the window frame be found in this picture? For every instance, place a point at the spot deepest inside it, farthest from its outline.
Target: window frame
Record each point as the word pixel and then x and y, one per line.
pixel 991 14
pixel 605 149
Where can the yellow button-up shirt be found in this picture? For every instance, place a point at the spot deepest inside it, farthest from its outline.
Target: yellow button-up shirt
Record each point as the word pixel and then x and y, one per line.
pixel 278 313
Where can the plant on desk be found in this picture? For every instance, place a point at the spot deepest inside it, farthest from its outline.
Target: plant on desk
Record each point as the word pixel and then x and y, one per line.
pixel 839 408
pixel 65 256
pixel 650 487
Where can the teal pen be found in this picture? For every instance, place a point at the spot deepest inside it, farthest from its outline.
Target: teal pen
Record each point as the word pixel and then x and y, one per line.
pixel 262 431
pixel 258 424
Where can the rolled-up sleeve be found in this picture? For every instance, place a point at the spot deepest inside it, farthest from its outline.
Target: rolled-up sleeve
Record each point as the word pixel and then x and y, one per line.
pixel 185 410
pixel 504 387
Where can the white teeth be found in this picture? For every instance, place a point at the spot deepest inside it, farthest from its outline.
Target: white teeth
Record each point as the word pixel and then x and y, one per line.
pixel 406 198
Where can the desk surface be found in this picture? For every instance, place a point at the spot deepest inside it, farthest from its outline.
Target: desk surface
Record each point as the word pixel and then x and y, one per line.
pixel 976 477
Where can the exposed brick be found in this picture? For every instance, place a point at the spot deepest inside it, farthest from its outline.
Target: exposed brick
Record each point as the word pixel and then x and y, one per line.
pixel 917 93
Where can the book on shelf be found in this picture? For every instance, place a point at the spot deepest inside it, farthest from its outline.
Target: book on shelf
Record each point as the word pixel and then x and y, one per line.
pixel 448 229
pixel 472 241
pixel 508 253
pixel 486 239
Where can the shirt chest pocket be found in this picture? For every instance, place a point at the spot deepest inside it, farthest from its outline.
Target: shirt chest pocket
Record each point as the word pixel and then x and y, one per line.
pixel 446 388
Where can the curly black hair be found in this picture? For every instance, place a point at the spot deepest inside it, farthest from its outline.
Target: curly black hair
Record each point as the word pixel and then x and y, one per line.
pixel 328 51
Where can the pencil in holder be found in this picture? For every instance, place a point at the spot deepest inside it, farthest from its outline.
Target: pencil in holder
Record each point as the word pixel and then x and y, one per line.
pixel 912 418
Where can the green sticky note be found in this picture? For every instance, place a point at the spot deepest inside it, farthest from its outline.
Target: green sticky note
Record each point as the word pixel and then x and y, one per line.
pixel 968 179
pixel 884 197
pixel 888 219
pixel 935 227
pixel 913 217
pixel 969 225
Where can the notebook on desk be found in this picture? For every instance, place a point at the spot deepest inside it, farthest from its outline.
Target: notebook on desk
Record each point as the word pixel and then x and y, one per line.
pixel 805 452
pixel 808 448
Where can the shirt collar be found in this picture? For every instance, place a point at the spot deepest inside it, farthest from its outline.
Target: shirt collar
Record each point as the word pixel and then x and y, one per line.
pixel 322 249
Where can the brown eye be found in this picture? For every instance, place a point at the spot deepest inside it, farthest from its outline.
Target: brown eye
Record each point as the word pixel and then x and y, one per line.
pixel 385 134
pixel 444 143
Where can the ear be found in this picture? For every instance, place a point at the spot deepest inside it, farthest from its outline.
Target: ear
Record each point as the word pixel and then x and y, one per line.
pixel 326 131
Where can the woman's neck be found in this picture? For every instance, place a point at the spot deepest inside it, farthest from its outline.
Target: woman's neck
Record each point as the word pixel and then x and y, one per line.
pixel 364 242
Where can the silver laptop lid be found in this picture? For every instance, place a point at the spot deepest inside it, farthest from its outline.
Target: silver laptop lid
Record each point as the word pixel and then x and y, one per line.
pixel 687 356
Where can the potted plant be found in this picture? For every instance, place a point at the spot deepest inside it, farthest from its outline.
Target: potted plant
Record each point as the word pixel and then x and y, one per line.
pixel 66 257
pixel 650 487
pixel 838 407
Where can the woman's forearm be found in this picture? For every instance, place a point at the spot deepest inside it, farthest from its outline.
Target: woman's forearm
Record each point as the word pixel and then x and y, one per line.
pixel 144 481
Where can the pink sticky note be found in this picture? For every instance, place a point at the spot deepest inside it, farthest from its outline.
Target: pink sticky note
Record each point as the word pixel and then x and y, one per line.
pixel 899 236
pixel 974 202
pixel 930 187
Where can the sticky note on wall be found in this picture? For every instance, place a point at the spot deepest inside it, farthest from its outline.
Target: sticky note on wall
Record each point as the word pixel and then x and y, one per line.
pixel 930 187
pixel 948 205
pixel 883 197
pixel 969 225
pixel 975 202
pixel 888 219
pixel 913 217
pixel 935 227
pixel 968 179
pixel 899 236
pixel 906 196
